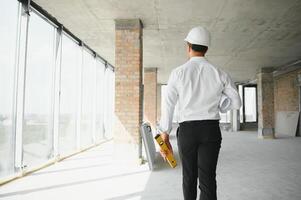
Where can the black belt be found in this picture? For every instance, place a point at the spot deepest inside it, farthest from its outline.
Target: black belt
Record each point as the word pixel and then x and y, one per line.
pixel 207 121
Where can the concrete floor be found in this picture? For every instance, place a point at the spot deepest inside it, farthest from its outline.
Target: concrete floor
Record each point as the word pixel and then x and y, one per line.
pixel 248 169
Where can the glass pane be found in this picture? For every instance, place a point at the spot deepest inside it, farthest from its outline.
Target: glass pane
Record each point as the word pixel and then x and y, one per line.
pixel 111 102
pixel 99 132
pixel 240 91
pixel 37 130
pixel 107 103
pixel 250 104
pixel 70 68
pixel 88 92
pixel 8 38
pixel 106 96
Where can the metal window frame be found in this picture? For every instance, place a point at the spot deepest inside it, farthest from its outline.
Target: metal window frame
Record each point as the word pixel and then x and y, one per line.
pixel 70 36
pixel 21 66
pixel 16 155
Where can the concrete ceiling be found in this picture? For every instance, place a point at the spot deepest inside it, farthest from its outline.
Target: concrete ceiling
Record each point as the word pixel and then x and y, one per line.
pixel 246 34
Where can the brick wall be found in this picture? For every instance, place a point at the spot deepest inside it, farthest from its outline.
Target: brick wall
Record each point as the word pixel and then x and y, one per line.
pixel 266 100
pixel 265 95
pixel 128 77
pixel 150 96
pixel 286 92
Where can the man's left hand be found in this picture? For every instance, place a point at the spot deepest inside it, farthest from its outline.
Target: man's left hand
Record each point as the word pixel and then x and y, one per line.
pixel 165 138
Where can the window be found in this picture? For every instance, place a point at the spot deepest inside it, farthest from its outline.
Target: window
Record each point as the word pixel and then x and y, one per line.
pixel 62 85
pixel 109 102
pixel 69 96
pixel 99 128
pixel 109 134
pixel 241 114
pixel 88 93
pixel 8 39
pixel 250 104
pixel 38 112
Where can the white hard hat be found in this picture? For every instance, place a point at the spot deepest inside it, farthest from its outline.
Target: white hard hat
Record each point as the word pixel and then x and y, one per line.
pixel 198 35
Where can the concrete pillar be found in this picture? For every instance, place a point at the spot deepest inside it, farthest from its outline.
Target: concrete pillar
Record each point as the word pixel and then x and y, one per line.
pixel 265 90
pixel 128 77
pixel 235 121
pixel 150 96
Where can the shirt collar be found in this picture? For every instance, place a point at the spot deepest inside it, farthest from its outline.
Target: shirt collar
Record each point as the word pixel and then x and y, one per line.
pixel 198 58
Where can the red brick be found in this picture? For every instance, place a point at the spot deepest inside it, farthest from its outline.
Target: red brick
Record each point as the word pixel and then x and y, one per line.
pixel 128 74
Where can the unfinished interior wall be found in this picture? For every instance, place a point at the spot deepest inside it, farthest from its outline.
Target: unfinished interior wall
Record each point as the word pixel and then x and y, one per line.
pixel 286 92
pixel 159 86
pixel 150 96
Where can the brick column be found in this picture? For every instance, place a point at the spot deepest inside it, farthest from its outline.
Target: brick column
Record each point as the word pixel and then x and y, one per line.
pixel 150 96
pixel 265 94
pixel 128 77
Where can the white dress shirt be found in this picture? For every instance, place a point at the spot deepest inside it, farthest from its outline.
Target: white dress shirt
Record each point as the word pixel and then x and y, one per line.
pixel 201 91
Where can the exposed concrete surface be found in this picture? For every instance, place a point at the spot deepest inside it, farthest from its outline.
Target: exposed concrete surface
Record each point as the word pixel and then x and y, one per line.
pixel 286 123
pixel 248 169
pixel 246 34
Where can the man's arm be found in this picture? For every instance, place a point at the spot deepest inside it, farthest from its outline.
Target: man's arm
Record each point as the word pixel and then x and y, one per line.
pixel 231 92
pixel 169 101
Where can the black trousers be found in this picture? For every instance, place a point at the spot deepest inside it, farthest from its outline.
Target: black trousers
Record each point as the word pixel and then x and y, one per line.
pixel 199 143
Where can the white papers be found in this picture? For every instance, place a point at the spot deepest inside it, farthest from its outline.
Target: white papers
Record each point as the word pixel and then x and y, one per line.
pixel 225 104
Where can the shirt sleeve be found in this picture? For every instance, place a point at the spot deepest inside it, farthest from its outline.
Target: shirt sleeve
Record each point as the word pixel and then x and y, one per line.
pixel 231 92
pixel 169 101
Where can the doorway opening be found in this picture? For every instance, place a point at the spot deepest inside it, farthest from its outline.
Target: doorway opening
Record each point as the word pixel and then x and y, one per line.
pixel 249 111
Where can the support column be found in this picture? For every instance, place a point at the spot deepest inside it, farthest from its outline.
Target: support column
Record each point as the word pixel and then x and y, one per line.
pixel 265 90
pixel 235 121
pixel 150 96
pixel 128 85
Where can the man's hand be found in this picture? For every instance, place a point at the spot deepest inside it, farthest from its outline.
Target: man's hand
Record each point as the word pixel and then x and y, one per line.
pixel 165 138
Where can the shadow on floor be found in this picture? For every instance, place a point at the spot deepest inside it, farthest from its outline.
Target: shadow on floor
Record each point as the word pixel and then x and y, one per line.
pixel 21 192
pixel 69 169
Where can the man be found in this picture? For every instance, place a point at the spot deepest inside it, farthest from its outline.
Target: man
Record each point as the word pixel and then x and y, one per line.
pixel 197 86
